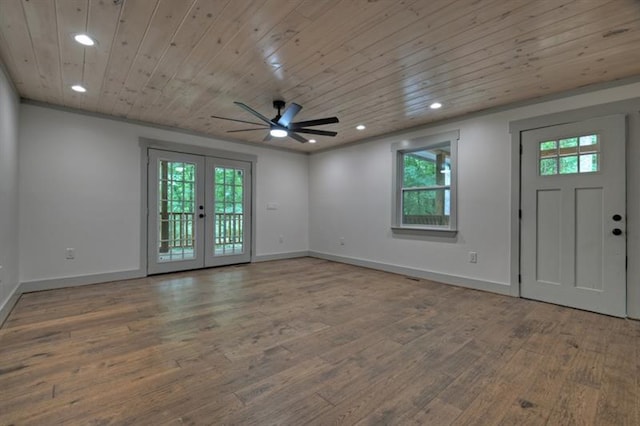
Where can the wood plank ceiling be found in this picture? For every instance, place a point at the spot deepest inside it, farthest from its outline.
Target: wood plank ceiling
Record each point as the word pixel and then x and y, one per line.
pixel 380 63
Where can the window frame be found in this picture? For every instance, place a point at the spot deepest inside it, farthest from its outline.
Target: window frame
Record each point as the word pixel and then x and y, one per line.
pixel 399 149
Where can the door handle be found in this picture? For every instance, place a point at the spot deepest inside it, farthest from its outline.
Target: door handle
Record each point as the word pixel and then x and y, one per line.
pixel 201 215
pixel 617 218
pixel 617 231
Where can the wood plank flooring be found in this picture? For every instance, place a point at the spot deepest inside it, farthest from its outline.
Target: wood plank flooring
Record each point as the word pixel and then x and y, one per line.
pixel 307 341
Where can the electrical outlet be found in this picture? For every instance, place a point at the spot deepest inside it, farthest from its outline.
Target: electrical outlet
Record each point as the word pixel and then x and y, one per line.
pixel 70 253
pixel 473 257
pixel 341 241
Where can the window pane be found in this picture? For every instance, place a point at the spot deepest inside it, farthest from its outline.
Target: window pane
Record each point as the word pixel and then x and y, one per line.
pixel 544 146
pixel 548 166
pixel 188 191
pixel 569 142
pixel 569 164
pixel 588 163
pixel 219 175
pixel 447 202
pixel 426 207
pixel 176 210
pixel 427 167
pixel 588 140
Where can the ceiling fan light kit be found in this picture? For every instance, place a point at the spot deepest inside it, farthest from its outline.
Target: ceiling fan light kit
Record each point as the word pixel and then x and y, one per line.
pixel 278 133
pixel 282 124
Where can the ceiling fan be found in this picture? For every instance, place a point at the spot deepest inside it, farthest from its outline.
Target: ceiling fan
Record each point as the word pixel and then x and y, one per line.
pixel 282 124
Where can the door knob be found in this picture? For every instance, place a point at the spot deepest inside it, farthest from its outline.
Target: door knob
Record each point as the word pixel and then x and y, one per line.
pixel 201 215
pixel 617 231
pixel 617 218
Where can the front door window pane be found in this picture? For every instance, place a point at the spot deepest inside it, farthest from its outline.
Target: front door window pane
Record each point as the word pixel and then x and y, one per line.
pixel 569 164
pixel 579 154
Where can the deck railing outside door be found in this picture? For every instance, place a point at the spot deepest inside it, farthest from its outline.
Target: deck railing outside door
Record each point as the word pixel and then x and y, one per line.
pixel 176 230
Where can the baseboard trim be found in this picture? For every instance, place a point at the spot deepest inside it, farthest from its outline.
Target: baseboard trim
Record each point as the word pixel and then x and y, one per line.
pixel 8 305
pixel 55 283
pixel 491 286
pixel 280 256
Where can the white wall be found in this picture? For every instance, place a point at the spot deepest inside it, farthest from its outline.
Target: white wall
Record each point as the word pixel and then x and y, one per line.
pixel 80 188
pixel 9 109
pixel 350 198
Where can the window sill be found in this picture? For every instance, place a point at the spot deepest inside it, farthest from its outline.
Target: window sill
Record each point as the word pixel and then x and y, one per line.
pixel 439 232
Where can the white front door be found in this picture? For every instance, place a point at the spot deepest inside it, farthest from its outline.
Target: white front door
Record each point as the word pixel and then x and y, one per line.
pixel 573 236
pixel 199 212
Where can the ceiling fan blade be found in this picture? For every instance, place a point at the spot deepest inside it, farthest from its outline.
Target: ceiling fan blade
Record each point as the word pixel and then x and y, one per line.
pixel 288 114
pixel 245 130
pixel 297 137
pixel 267 138
pixel 317 132
pixel 318 122
pixel 239 121
pixel 254 112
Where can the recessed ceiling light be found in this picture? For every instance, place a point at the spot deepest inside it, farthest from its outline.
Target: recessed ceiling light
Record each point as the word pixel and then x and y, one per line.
pixel 312 141
pixel 84 39
pixel 78 88
pixel 278 133
pixel 436 105
pixel 361 127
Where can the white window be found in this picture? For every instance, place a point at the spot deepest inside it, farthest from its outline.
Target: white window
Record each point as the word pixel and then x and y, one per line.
pixel 424 187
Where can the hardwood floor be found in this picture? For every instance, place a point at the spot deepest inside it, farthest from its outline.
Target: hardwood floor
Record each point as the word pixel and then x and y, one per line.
pixel 307 341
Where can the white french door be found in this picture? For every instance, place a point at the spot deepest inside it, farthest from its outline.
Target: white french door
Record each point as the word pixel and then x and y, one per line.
pixel 199 212
pixel 573 215
pixel 228 218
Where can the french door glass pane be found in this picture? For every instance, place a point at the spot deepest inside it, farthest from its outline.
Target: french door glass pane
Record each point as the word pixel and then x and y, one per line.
pixel 228 209
pixel 176 211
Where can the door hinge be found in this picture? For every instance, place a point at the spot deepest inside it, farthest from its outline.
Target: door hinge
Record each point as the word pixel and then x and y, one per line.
pixel 520 214
pixel 520 149
pixel 519 278
pixel 626 262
